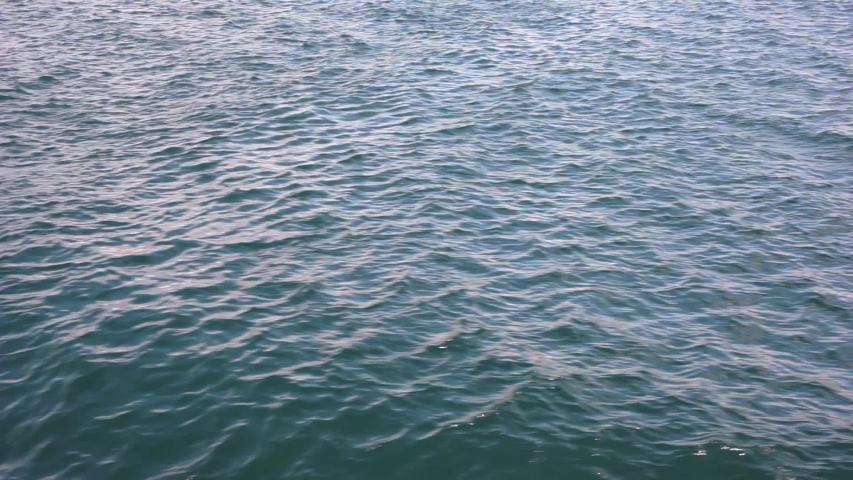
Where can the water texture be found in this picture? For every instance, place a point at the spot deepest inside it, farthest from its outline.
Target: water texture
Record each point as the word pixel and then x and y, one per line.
pixel 407 239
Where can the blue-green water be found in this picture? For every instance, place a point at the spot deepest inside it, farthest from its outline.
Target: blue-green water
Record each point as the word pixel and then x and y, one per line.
pixel 421 239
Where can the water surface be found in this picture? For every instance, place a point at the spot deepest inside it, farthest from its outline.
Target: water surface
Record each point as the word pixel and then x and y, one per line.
pixel 422 239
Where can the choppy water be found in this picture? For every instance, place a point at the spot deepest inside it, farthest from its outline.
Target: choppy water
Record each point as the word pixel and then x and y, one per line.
pixel 422 239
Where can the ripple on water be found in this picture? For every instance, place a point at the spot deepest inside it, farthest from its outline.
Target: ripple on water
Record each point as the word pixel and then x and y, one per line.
pixel 398 239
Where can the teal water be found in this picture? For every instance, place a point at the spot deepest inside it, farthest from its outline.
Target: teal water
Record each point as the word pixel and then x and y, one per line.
pixel 402 239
